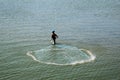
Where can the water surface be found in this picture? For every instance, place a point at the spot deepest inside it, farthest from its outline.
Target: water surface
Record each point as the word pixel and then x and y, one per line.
pixel 26 25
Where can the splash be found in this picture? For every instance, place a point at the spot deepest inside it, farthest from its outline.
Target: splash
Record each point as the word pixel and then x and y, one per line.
pixel 61 55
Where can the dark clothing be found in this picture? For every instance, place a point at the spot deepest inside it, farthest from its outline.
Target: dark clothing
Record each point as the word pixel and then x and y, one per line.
pixel 54 36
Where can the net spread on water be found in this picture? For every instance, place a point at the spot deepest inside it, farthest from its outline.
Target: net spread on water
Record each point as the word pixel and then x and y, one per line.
pixel 61 55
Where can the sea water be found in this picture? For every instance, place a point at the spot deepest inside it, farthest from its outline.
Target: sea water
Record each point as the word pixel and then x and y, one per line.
pixel 26 25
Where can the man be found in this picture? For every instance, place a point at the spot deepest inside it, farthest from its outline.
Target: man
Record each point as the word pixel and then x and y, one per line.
pixel 54 36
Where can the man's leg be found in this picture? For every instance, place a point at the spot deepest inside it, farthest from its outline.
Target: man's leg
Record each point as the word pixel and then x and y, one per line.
pixel 54 41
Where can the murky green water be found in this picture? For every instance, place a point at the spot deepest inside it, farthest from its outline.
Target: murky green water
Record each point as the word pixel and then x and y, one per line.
pixel 26 25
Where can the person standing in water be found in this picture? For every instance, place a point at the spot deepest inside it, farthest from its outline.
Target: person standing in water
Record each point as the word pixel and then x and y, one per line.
pixel 53 37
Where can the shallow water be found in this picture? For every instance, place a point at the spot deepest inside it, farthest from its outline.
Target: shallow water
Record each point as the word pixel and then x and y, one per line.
pixel 61 55
pixel 92 25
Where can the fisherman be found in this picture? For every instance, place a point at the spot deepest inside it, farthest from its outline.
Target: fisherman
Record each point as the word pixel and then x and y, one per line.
pixel 53 37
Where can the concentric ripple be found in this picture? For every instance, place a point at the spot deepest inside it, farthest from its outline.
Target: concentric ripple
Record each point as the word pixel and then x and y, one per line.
pixel 61 55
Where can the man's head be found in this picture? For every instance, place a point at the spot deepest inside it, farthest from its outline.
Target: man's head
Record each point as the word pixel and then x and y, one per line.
pixel 53 31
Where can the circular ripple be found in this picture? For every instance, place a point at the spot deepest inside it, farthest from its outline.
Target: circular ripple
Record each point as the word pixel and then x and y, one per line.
pixel 61 55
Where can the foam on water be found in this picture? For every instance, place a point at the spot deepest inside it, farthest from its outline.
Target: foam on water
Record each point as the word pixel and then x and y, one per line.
pixel 61 55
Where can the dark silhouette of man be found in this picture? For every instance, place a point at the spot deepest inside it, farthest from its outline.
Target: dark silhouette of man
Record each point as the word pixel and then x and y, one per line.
pixel 54 36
